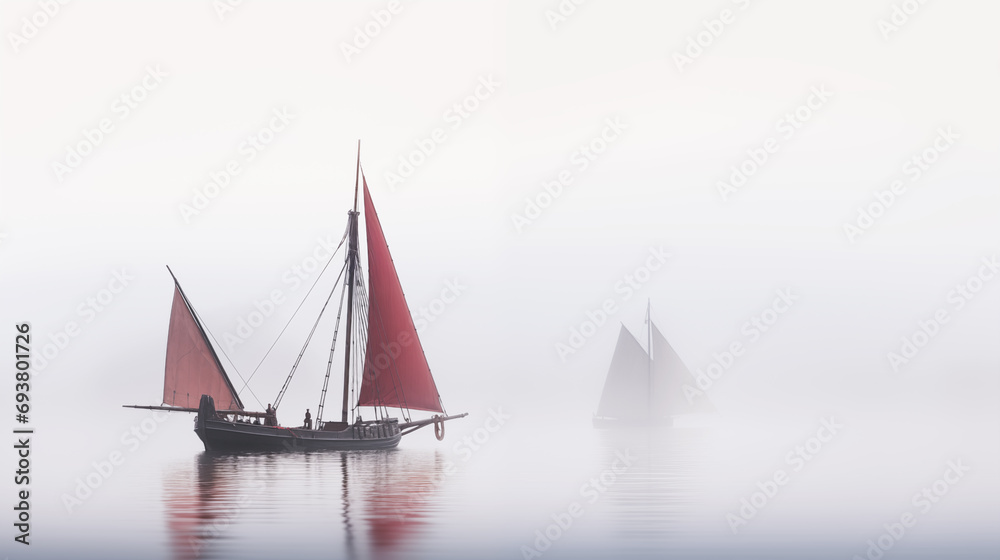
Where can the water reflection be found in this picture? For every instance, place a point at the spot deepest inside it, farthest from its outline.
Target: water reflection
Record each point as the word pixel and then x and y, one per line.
pixel 202 502
pixel 656 502
pixel 396 489
pixel 240 505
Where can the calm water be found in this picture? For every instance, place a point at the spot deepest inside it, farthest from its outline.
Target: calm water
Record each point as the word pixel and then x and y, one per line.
pixel 513 494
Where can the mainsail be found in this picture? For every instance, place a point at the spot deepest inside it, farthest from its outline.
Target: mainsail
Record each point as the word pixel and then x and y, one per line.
pixel 638 387
pixel 627 382
pixel 670 375
pixel 395 370
pixel 193 369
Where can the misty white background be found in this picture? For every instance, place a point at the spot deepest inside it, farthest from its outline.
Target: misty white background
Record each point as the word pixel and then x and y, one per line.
pixel 655 186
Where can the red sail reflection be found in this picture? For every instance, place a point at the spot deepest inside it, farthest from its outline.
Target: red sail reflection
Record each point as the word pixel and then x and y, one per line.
pixel 382 498
pixel 396 489
pixel 189 499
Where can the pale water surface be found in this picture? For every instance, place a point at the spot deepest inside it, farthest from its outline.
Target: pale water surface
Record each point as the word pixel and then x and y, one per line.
pixel 513 495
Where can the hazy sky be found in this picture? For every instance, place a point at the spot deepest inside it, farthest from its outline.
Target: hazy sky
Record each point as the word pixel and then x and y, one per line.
pixel 614 120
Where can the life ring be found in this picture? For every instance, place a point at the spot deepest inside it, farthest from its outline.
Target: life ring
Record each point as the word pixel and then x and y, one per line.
pixel 439 429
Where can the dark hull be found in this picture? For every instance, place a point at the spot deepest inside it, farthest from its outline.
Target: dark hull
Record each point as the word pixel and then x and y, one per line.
pixel 221 435
pixel 615 423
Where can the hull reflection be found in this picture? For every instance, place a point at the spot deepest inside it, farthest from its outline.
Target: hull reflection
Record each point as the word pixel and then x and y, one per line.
pixel 357 504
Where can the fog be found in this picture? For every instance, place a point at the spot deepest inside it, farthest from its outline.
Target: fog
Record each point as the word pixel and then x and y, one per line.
pixel 583 176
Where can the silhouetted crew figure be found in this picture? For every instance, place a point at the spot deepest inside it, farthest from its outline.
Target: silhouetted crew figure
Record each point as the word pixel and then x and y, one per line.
pixel 308 422
pixel 271 417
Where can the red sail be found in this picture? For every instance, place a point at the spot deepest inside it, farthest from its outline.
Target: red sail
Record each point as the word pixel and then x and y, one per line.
pixel 395 372
pixel 192 368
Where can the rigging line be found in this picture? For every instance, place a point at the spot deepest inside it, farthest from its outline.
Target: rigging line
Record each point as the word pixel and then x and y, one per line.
pixel 362 336
pixel 318 276
pixel 361 350
pixel 308 338
pixel 379 408
pixel 329 363
pixel 359 342
pixel 405 409
pixel 354 372
pixel 384 407
pixel 359 355
pixel 356 352
pixel 396 387
pixel 356 379
pixel 209 331
pixel 352 400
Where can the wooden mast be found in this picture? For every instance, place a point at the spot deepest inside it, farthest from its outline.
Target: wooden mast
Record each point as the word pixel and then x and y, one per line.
pixel 352 260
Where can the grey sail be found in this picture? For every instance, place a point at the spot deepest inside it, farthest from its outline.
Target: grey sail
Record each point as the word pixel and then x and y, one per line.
pixel 670 375
pixel 627 384
pixel 647 389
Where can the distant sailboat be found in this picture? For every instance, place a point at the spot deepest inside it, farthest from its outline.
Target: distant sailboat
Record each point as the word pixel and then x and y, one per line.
pixel 643 388
pixel 384 364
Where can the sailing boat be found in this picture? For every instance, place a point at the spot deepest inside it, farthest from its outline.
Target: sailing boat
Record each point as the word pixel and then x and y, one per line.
pixel 646 388
pixel 384 364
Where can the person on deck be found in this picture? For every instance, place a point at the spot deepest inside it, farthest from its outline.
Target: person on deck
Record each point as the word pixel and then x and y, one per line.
pixel 271 418
pixel 308 422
